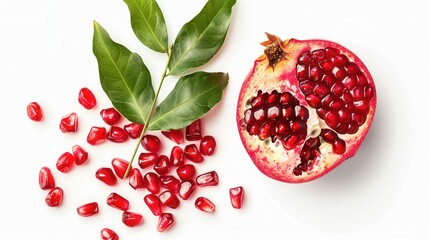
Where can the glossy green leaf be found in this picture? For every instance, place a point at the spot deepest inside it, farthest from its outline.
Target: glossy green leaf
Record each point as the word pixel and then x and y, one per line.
pixel 148 24
pixel 123 76
pixel 201 38
pixel 191 98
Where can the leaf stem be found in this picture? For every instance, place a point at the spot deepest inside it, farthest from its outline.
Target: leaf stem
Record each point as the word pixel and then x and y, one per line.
pixel 152 108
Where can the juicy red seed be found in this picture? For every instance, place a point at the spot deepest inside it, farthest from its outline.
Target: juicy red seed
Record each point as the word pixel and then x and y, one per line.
pixel 170 182
pixel 169 199
pixel 207 179
pixel 361 79
pixel 357 119
pixel 88 209
pixel 117 134
pixel 110 116
pixel 236 195
pixel 106 175
pixel 337 88
pixel 207 145
pixel 282 128
pixel 192 153
pixel 108 234
pixel 193 131
pixel 257 101
pixel 298 126
pixel 65 162
pixel 259 115
pixel 34 111
pixel 132 219
pixel 154 204
pixel 120 167
pixel 174 135
pixel 321 90
pixel 151 143
pixel 273 113
pixel 297 172
pixel 187 187
pixel 151 181
pixel 165 221
pixel 328 135
pixel 339 146
pixel 46 179
pixel 302 113
pixel 332 119
pixel 162 164
pixel 313 100
pixel 344 115
pixel 369 92
pixel 204 204
pixel 147 159
pixel 350 82
pixel 69 123
pixel 291 142
pixel 86 98
pixel 136 179
pixel 358 93
pixel 134 130
pixel 312 142
pixel 361 107
pixel 273 98
pixel 54 197
pixel 186 171
pixel 286 98
pixel 315 73
pixel 80 155
pixel 306 87
pixel 176 156
pixel 117 201
pixel 96 135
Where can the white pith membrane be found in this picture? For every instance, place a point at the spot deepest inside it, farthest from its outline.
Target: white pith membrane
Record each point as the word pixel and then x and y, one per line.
pixel 272 158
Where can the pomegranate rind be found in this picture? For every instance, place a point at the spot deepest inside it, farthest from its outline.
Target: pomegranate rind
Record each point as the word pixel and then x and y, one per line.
pixel 271 158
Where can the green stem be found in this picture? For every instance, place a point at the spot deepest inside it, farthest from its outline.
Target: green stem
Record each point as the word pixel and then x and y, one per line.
pixel 152 108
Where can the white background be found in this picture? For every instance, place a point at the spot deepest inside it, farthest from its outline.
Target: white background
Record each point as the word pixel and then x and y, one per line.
pixel 46 56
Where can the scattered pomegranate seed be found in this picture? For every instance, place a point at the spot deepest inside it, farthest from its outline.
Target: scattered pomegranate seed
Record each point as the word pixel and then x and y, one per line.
pixel 117 201
pixel 192 153
pixel 154 204
pixel 165 221
pixel 34 112
pixel 80 155
pixel 106 175
pixel 88 209
pixel 176 156
pixel 69 123
pixel 193 131
pixel 187 187
pixel 162 165
pixel 120 167
pixel 108 234
pixel 147 159
pixel 169 199
pixel 204 205
pixel 170 182
pixel 46 179
pixel 86 98
pixel 110 116
pixel 186 172
pixel 134 130
pixel 151 143
pixel 151 181
pixel 174 135
pixel 65 162
pixel 117 134
pixel 96 135
pixel 207 179
pixel 236 195
pixel 55 197
pixel 132 219
pixel 136 179
pixel 207 145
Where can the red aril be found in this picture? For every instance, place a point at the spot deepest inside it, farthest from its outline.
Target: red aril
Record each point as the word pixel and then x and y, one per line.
pixel 65 162
pixel 187 187
pixel 165 221
pixel 305 107
pixel 46 179
pixel 134 130
pixel 88 209
pixel 170 182
pixel 117 134
pixel 153 203
pixel 193 131
pixel 147 159
pixel 151 143
pixel 96 135
pixel 151 181
pixel 110 116
pixel 207 145
pixel 117 201
pixel 106 175
pixel 207 179
pixel 86 98
pixel 136 179
pixel 176 156
pixel 69 123
pixel 34 112
pixel 54 198
pixel 236 196
pixel 169 199
pixel 108 234
pixel 174 135
pixel 186 171
pixel 162 165
pixel 192 153
pixel 204 204
pixel 132 219
pixel 120 166
pixel 80 155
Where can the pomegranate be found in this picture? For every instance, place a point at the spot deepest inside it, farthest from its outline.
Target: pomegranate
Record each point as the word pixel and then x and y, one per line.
pixel 86 98
pixel 88 209
pixel 34 111
pixel 305 107
pixel 165 221
pixel 108 234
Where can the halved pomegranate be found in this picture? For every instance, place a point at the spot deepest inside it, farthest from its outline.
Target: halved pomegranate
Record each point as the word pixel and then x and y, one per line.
pixel 305 107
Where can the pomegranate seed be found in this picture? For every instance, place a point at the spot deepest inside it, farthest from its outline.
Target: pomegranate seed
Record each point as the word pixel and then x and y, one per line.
pixel 120 167
pixel 154 204
pixel 110 116
pixel 174 135
pixel 65 162
pixel 176 156
pixel 170 182
pixel 117 201
pixel 207 179
pixel 187 187
pixel 80 155
pixel 96 135
pixel 147 159
pixel 204 205
pixel 136 179
pixel 339 146
pixel 117 134
pixel 108 234
pixel 193 131
pixel 169 199
pixel 236 195
pixel 132 219
pixel 69 123
pixel 46 179
pixel 328 135
pixel 34 112
pixel 54 197
pixel 192 153
pixel 88 209
pixel 151 181
pixel 151 143
pixel 162 165
pixel 106 175
pixel 134 130
pixel 165 221
pixel 186 172
pixel 207 145
pixel 86 98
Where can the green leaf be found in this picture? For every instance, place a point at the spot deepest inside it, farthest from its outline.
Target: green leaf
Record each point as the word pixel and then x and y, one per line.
pixel 148 24
pixel 201 38
pixel 123 76
pixel 191 98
